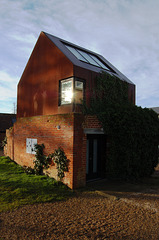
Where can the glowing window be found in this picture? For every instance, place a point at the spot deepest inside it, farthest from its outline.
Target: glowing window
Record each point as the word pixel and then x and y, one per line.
pixel 66 91
pixel 71 91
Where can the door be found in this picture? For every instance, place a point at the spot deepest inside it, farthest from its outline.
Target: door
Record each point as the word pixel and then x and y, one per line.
pixel 96 151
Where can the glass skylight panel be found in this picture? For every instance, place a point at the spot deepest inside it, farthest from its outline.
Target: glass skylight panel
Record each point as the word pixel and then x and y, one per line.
pixel 77 54
pixel 89 59
pixel 99 62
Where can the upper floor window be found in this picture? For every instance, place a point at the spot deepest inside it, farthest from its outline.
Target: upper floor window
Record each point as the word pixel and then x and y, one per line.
pixel 78 91
pixel 71 91
pixel 66 91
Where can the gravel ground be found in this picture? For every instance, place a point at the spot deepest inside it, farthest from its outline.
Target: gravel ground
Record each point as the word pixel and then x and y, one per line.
pixel 94 214
pixel 87 215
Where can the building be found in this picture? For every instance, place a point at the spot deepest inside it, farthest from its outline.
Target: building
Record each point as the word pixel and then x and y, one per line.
pixel 156 109
pixel 6 121
pixel 57 76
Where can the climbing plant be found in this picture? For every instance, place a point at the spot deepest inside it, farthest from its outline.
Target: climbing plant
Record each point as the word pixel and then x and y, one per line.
pixel 133 131
pixel 108 92
pixel 40 162
pixel 61 161
pixel 4 142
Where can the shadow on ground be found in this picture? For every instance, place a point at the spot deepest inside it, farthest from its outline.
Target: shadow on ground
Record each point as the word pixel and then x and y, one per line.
pixel 146 189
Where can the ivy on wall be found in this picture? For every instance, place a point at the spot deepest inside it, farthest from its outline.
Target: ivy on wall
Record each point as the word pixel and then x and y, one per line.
pixel 61 161
pixel 42 162
pixel 133 131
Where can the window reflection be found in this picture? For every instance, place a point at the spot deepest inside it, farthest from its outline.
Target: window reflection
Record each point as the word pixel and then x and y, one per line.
pixel 78 91
pixel 66 92
pixel 71 91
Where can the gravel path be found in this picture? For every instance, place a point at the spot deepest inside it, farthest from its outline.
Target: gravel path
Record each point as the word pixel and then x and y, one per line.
pixel 88 215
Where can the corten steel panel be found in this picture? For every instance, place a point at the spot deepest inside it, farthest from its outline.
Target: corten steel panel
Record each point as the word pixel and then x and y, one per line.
pixel 38 88
pixel 89 77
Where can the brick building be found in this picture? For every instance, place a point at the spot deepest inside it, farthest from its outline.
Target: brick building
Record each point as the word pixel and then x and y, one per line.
pixel 57 76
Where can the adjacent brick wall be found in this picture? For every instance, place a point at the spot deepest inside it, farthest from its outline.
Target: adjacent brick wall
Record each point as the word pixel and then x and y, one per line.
pixel 91 121
pixel 45 130
pixel 80 146
pixel 79 163
pixel 9 147
pixel 62 130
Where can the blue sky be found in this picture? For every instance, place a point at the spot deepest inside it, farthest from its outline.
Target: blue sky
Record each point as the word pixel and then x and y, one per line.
pixel 125 32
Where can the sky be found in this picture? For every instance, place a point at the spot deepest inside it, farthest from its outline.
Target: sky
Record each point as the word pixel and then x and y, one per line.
pixel 125 32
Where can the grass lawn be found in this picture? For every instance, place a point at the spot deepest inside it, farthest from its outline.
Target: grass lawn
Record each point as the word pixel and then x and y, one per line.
pixel 18 188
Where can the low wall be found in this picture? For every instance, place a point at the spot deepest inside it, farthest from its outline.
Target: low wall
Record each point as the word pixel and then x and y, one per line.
pixel 9 147
pixel 53 131
pixel 62 130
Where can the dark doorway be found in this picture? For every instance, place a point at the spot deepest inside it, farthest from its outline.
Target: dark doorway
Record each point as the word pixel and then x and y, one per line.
pixel 96 156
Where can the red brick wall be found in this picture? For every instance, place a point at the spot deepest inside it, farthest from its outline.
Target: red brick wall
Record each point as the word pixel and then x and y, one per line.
pixel 79 163
pixel 80 147
pixel 9 147
pixel 91 121
pixel 70 137
pixel 44 129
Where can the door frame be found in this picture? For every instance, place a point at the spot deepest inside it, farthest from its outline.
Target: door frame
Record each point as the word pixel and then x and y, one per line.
pixel 95 155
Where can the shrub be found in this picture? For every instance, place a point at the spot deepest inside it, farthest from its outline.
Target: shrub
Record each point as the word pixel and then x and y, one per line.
pixel 4 142
pixel 28 170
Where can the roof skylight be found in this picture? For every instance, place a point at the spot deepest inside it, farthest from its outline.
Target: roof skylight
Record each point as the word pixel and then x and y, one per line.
pixel 87 57
pixel 76 53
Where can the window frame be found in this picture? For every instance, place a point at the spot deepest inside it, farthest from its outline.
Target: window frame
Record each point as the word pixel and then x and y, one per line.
pixel 74 88
pixel 64 81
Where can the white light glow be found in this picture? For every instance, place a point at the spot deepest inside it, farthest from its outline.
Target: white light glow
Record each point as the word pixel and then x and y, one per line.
pixel 68 96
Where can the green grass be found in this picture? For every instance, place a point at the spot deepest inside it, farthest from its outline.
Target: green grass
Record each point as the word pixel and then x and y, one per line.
pixel 18 188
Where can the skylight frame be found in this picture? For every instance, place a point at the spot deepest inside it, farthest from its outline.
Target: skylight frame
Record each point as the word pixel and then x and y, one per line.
pixel 84 56
pixel 88 57
pixel 75 53
pixel 100 63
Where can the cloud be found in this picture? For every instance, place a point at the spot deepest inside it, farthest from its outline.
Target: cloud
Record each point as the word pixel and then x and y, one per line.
pixel 125 32
pixel 8 91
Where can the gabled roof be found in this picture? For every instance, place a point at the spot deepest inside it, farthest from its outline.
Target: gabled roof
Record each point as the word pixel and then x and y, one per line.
pixel 85 58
